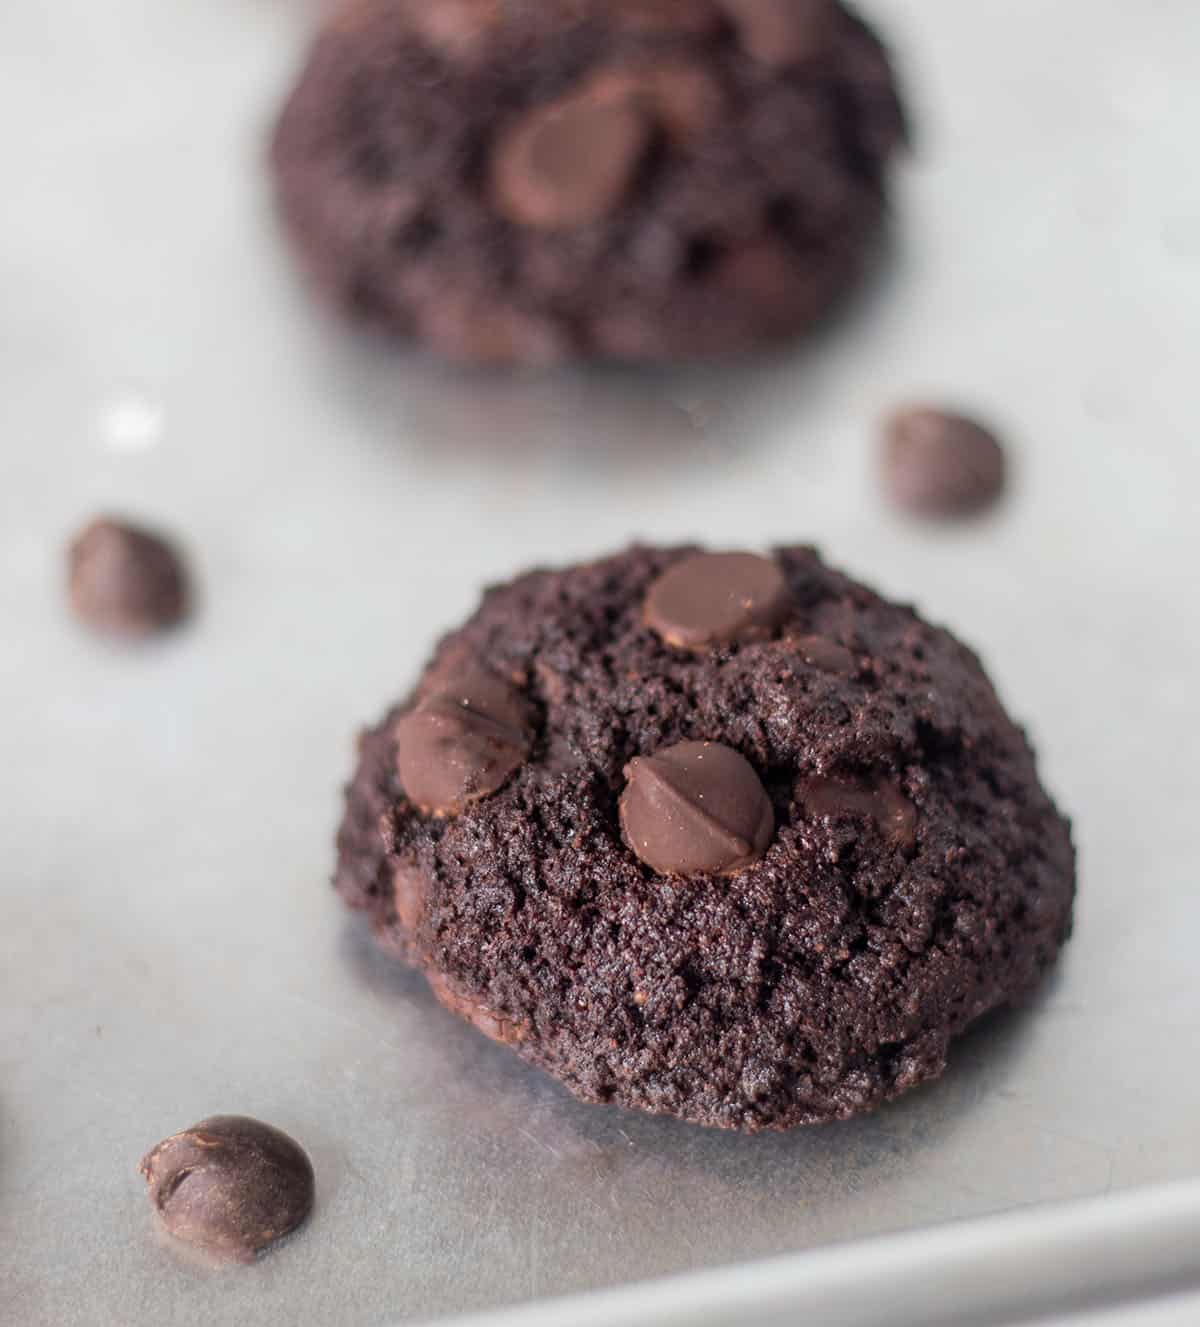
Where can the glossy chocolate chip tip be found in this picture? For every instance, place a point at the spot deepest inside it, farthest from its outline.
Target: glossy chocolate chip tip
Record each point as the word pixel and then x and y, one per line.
pixel 466 736
pixel 696 807
pixel 717 598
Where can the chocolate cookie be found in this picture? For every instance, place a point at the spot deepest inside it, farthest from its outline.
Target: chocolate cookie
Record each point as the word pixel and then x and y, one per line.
pixel 533 180
pixel 723 837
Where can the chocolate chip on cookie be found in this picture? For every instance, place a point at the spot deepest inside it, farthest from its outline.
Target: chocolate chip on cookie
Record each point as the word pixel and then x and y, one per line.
pixel 696 806
pixel 461 741
pixel 568 163
pixel 892 813
pixel 715 598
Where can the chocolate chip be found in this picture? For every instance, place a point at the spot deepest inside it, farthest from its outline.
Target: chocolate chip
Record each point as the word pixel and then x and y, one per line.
pixel 481 1018
pixel 229 1184
pixel 684 99
pixel 820 652
pixel 696 807
pixel 895 815
pixel 125 580
pixel 569 163
pixel 465 737
pixel 714 598
pixel 783 32
pixel 936 463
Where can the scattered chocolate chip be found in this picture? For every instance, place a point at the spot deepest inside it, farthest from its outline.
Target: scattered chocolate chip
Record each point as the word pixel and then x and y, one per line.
pixel 481 1018
pixel 895 815
pixel 714 598
pixel 568 163
pixel 783 32
pixel 125 580
pixel 465 737
pixel 229 1184
pixel 823 653
pixel 696 807
pixel 937 463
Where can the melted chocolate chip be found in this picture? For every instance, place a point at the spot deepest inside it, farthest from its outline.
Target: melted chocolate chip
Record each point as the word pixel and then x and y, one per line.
pixel 466 736
pixel 696 807
pixel 715 598
pixel 823 653
pixel 124 580
pixel 941 464
pixel 229 1184
pixel 895 815
pixel 569 163
pixel 782 32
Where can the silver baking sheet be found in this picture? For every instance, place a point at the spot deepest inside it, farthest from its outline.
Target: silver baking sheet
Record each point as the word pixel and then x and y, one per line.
pixel 168 944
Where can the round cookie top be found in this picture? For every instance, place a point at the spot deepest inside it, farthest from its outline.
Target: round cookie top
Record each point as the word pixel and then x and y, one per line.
pixel 528 180
pixel 754 880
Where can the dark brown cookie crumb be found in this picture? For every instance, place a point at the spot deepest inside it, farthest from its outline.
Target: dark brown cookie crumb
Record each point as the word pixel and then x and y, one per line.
pixel 124 580
pixel 800 938
pixel 230 1185
pixel 941 464
pixel 534 180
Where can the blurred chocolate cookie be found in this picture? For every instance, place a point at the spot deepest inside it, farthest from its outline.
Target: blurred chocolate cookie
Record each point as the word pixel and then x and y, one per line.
pixel 715 835
pixel 532 180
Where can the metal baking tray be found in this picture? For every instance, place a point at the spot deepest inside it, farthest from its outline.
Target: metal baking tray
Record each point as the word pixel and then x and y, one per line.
pixel 168 944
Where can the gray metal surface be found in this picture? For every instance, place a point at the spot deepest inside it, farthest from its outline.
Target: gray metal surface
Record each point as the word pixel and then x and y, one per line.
pixel 1119 1261
pixel 168 947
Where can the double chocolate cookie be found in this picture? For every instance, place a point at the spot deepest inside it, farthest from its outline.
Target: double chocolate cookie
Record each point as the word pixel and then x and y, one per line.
pixel 532 180
pixel 713 835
